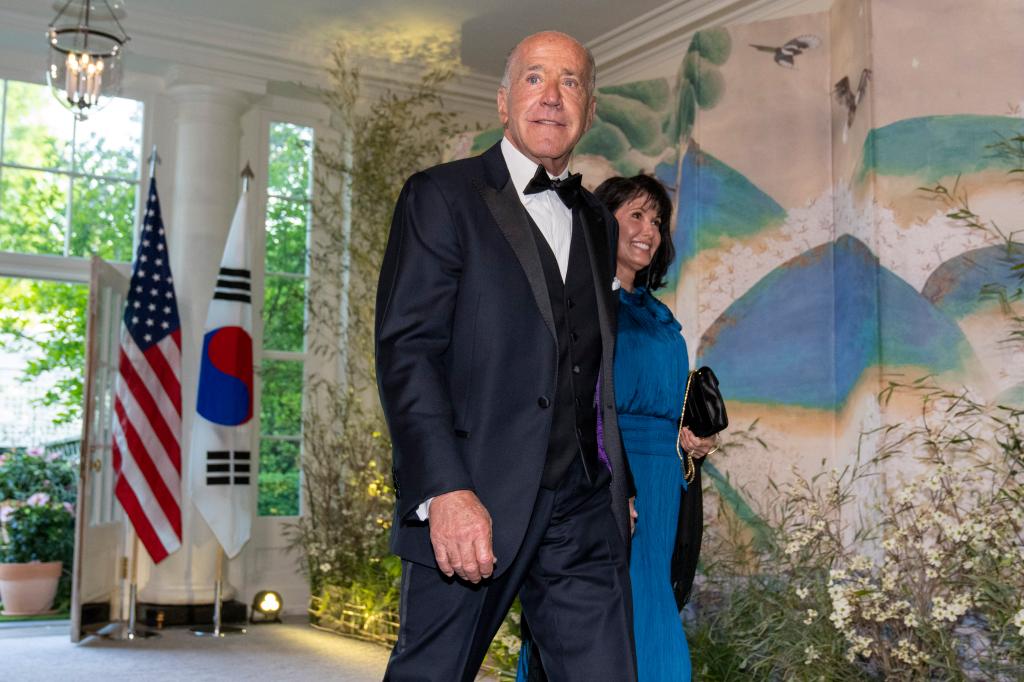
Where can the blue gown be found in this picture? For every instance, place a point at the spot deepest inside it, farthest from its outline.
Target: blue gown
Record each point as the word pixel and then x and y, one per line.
pixel 651 366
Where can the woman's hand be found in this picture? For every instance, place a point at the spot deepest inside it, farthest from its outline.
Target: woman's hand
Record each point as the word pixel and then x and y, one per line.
pixel 697 447
pixel 632 515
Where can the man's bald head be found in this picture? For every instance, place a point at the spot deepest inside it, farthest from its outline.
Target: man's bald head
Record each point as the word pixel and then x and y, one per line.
pixel 506 78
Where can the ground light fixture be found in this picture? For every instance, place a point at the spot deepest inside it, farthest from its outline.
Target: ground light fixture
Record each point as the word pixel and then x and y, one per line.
pixel 266 606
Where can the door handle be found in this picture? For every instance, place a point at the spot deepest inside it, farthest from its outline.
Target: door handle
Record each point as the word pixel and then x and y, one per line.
pixel 97 464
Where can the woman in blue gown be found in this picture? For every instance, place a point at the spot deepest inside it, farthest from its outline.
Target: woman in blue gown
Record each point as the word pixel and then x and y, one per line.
pixel 651 366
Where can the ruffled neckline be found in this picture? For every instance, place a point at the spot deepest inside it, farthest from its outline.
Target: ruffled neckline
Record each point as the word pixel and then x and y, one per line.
pixel 641 298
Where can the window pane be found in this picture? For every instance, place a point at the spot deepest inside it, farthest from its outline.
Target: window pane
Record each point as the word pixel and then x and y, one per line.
pixel 109 142
pixel 286 235
pixel 284 313
pixel 103 216
pixel 281 407
pixel 37 129
pixel 279 478
pixel 32 207
pixel 42 360
pixel 291 152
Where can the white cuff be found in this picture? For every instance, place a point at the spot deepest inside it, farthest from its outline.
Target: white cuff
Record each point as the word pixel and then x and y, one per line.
pixel 423 511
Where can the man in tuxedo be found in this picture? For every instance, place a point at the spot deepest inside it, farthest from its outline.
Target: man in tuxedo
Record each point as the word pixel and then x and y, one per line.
pixel 495 325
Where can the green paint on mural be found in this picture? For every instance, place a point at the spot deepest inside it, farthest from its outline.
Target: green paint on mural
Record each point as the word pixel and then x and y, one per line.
pixel 931 148
pixel 638 122
pixel 714 44
pixel 1013 396
pixel 603 140
pixel 736 501
pixel 485 140
pixel 652 93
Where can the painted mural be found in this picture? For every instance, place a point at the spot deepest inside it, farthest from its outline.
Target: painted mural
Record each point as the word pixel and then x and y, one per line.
pixel 813 263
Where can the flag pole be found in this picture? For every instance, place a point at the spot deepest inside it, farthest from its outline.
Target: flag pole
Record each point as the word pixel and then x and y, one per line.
pixel 219 629
pixel 247 176
pixel 129 631
pixel 154 161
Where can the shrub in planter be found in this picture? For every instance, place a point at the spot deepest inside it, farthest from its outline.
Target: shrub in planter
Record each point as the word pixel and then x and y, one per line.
pixel 37 523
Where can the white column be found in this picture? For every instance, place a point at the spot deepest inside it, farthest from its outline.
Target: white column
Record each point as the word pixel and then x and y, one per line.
pixel 206 187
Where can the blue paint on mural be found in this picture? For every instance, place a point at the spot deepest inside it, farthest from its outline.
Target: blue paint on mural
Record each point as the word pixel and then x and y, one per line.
pixel 956 286
pixel 795 339
pixel 936 147
pixel 717 202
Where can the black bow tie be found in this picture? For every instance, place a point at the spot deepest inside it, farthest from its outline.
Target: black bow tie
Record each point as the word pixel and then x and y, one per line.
pixel 568 189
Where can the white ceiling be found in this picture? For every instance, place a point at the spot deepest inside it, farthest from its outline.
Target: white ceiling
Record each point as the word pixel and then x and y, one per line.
pixel 248 44
pixel 488 28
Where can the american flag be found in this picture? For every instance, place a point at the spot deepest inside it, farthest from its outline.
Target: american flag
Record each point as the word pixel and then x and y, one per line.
pixel 147 400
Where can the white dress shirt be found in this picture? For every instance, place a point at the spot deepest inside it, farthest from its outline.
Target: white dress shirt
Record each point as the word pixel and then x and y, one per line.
pixel 553 218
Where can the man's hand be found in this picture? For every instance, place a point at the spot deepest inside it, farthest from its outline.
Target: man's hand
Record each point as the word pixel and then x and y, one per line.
pixel 632 515
pixel 460 531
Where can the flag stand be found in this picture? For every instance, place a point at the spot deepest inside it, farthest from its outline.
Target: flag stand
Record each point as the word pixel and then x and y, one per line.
pixel 219 630
pixel 129 631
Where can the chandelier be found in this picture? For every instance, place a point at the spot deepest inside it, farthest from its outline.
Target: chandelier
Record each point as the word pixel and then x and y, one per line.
pixel 86 43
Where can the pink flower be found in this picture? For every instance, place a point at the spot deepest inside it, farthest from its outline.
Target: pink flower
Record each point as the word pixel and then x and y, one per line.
pixel 53 456
pixel 5 512
pixel 34 452
pixel 38 500
pixel 69 508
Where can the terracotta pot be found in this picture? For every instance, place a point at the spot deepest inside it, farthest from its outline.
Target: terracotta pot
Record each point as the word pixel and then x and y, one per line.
pixel 28 589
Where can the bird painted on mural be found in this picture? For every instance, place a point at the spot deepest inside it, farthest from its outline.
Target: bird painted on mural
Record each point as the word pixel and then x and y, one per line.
pixel 785 55
pixel 850 98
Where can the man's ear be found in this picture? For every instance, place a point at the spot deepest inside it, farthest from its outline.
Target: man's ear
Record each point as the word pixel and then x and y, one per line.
pixel 503 107
pixel 592 109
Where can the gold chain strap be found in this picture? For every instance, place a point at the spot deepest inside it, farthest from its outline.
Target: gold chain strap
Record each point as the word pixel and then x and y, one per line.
pixel 686 463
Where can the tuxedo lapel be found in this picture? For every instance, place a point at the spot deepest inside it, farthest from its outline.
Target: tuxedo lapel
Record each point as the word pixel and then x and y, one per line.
pixel 595 232
pixel 502 200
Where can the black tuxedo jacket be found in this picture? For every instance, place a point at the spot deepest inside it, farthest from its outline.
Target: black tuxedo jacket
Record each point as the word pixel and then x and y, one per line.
pixel 467 351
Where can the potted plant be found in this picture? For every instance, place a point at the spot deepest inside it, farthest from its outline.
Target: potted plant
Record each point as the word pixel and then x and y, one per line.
pixel 37 530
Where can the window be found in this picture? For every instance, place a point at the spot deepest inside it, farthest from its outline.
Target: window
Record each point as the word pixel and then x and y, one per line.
pixel 67 187
pixel 287 228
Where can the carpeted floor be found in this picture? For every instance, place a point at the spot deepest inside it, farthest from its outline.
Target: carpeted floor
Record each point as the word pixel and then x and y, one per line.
pixel 291 651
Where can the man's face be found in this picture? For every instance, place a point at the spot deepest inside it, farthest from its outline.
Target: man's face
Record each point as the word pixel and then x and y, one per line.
pixel 548 104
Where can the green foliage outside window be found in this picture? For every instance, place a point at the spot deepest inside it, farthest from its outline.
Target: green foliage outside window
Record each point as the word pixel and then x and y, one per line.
pixel 289 191
pixel 65 189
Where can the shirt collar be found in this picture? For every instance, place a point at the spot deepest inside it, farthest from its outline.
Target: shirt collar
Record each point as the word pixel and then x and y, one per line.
pixel 521 168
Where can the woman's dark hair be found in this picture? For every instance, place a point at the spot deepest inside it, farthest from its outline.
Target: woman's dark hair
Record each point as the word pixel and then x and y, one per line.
pixel 614 192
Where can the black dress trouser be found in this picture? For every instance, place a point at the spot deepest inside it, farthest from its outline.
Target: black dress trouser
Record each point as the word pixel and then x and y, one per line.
pixel 572 577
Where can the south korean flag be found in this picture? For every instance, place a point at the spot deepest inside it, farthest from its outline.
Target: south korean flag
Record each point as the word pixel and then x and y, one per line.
pixel 222 472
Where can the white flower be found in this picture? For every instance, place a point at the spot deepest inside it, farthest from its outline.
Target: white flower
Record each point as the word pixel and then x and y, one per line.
pixel 1018 621
pixel 38 500
pixel 802 592
pixel 324 567
pixel 811 616
pixel 811 654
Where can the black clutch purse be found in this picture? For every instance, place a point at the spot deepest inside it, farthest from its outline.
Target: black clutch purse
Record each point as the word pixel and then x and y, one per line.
pixel 703 412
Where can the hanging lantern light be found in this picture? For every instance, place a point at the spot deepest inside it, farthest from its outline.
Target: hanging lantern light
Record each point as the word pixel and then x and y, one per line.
pixel 86 43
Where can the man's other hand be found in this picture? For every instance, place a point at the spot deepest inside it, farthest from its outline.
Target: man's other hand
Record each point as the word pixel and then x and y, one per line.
pixel 460 531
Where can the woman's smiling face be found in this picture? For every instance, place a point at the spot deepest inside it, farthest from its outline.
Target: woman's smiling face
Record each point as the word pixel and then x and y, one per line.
pixel 639 233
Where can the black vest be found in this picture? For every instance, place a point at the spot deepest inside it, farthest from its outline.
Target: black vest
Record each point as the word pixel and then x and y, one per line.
pixel 574 307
